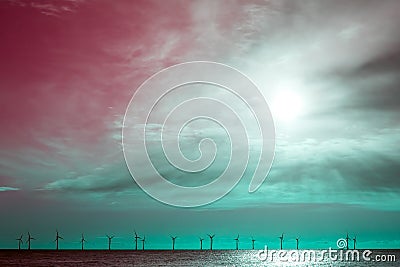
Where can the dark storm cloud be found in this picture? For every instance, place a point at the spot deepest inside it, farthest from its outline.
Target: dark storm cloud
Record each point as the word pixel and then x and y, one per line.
pixel 387 63
pixel 373 85
pixel 353 167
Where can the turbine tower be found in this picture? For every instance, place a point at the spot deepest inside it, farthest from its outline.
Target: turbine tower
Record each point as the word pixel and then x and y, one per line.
pixel 173 241
pixel 201 243
pixel 143 241
pixel 20 242
pixel 83 240
pixel 252 242
pixel 57 238
pixel 347 241
pixel 354 242
pixel 297 243
pixel 237 242
pixel 211 240
pixel 109 241
pixel 281 238
pixel 136 239
pixel 29 240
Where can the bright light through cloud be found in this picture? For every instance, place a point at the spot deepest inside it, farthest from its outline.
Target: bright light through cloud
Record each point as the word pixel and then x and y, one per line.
pixel 287 106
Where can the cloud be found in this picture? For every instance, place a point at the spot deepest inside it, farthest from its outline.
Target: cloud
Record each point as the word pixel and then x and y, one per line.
pixel 361 171
pixel 106 178
pixel 90 183
pixel 372 86
pixel 341 56
pixel 7 188
pixel 49 8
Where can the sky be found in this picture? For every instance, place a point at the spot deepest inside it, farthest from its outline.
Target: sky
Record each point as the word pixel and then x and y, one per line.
pixel 329 71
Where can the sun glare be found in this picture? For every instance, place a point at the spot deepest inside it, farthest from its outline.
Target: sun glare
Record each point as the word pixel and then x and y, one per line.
pixel 287 106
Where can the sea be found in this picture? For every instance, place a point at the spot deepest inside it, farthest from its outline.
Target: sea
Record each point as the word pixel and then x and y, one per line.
pixel 384 258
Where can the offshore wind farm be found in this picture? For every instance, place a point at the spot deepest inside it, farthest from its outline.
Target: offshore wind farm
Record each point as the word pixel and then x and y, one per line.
pixel 186 255
pixel 192 257
pixel 250 244
pixel 245 251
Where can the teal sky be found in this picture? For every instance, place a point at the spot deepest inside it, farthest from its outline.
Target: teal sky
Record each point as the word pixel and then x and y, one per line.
pixel 329 70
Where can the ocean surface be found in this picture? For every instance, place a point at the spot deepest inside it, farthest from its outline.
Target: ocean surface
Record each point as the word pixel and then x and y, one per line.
pixel 192 258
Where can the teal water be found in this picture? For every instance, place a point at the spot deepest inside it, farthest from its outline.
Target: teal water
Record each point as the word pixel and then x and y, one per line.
pixel 182 258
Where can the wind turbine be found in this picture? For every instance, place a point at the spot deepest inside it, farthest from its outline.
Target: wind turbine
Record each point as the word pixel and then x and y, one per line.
pixel 57 238
pixel 252 242
pixel 173 241
pixel 29 240
pixel 83 240
pixel 297 243
pixel 211 240
pixel 109 241
pixel 354 241
pixel 201 243
pixel 20 242
pixel 143 241
pixel 347 240
pixel 237 242
pixel 136 239
pixel 281 238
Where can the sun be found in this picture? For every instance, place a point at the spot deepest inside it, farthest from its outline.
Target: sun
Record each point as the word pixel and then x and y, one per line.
pixel 287 105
